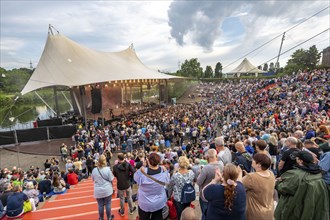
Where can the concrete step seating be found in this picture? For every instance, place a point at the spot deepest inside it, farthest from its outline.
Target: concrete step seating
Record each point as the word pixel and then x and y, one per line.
pixel 77 203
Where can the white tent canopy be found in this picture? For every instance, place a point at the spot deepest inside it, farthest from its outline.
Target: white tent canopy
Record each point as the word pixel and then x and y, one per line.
pixel 67 63
pixel 245 67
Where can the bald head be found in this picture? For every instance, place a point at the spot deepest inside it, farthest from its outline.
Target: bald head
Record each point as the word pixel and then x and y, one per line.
pixel 212 153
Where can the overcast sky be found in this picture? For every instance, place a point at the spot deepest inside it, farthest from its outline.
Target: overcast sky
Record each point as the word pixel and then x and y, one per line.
pixel 164 33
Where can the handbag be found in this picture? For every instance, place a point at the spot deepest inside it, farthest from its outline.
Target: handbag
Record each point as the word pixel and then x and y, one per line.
pixel 154 179
pixel 27 206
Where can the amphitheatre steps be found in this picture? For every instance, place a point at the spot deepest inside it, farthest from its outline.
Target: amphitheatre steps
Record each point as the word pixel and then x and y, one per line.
pixel 77 203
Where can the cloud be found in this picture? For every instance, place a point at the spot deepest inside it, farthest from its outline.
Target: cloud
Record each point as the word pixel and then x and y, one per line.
pixel 200 21
pixel 163 32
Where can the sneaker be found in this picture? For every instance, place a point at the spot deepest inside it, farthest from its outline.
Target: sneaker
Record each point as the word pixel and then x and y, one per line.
pixel 132 211
pixel 121 213
pixel 112 217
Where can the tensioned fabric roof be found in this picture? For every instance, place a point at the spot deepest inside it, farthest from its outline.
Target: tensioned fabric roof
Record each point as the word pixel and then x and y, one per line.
pixel 246 67
pixel 67 63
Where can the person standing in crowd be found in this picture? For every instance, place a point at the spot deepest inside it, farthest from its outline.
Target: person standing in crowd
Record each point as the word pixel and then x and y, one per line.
pixel 68 165
pixel 259 187
pixel 288 159
pixel 261 146
pixel 64 152
pixel 2 210
pixel 206 175
pixel 103 190
pixel 77 164
pixel 226 200
pixel 89 165
pixel 178 180
pixel 303 193
pixel 224 153
pixel 325 166
pixel 123 172
pixel 151 193
pixel 242 158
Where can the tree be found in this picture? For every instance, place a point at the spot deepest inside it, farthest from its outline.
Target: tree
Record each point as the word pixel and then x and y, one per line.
pixel 265 68
pixel 271 66
pixel 260 67
pixel 218 70
pixel 191 68
pixel 14 80
pixel 313 57
pixel 303 59
pixel 208 72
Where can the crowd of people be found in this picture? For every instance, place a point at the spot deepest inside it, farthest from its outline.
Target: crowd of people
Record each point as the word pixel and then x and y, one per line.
pixel 249 150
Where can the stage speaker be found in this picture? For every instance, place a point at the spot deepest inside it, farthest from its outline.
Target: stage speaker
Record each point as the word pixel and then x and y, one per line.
pixel 96 100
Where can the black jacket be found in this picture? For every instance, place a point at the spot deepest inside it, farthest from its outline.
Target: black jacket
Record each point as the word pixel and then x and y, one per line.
pixel 123 171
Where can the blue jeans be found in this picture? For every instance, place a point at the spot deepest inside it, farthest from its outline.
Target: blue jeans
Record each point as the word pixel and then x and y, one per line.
pixel 203 208
pixel 101 202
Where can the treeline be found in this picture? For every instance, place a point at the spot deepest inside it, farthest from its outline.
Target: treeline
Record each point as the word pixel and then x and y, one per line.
pixel 300 60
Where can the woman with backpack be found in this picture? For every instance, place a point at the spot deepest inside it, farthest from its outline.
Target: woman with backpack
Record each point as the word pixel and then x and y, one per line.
pixel 181 186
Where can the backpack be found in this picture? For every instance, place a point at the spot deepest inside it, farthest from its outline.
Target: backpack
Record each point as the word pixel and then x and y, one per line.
pixel 188 193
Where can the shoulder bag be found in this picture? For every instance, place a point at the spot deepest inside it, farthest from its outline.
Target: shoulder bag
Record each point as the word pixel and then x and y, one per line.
pixel 102 176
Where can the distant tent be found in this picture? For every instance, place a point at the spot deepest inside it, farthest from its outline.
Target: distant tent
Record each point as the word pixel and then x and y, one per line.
pixel 245 68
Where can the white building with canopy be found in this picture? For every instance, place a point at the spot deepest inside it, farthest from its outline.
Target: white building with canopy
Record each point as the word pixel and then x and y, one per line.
pixel 65 63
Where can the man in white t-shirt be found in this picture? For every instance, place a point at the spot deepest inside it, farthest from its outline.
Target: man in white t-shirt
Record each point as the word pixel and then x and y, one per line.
pixel 224 153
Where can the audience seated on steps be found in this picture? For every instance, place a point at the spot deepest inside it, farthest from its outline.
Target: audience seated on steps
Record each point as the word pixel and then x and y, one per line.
pixel 31 192
pixel 72 177
pixel 58 184
pixel 18 203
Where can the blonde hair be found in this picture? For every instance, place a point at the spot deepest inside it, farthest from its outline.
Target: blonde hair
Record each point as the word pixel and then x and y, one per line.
pixel 102 161
pixel 273 140
pixel 183 162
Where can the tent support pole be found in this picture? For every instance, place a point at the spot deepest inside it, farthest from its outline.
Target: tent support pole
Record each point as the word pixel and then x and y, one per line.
pixel 166 92
pixel 130 93
pixel 125 94
pixel 45 102
pixel 159 93
pixel 56 102
pixel 83 101
pixel 141 94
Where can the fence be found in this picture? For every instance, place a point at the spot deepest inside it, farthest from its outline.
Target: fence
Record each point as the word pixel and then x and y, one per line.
pixel 37 134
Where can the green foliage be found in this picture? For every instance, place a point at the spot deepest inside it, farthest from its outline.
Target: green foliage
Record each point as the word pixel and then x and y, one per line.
pixel 265 68
pixel 218 70
pixel 176 89
pixel 191 68
pixel 271 66
pixel 208 72
pixel 302 59
pixel 14 79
